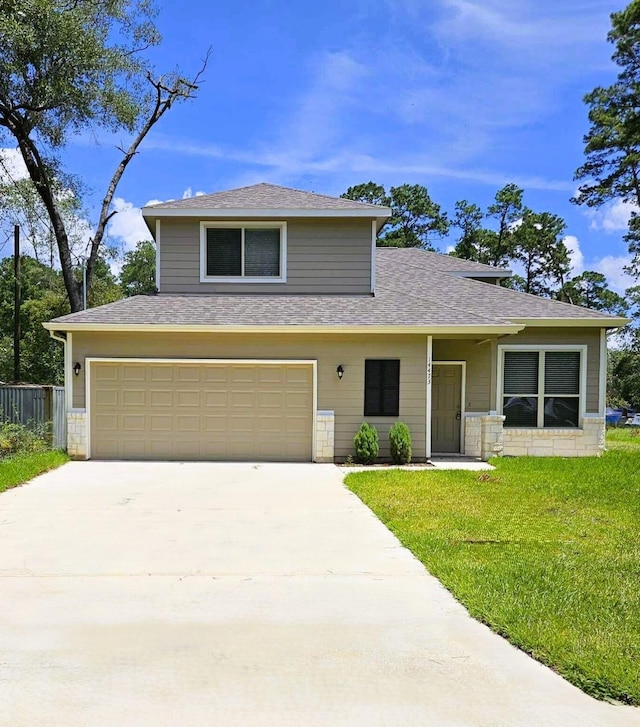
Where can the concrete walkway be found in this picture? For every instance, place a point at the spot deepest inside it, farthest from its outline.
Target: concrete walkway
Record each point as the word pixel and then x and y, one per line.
pixel 210 594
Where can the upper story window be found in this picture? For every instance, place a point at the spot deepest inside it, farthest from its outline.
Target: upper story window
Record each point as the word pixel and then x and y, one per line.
pixel 243 252
pixel 542 388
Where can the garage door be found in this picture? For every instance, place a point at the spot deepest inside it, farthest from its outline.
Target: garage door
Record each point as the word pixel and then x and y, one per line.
pixel 201 411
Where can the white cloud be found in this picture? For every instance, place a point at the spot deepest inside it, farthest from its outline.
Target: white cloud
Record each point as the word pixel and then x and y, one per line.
pixel 612 267
pixel 128 225
pixel 576 255
pixel 188 193
pixel 12 168
pixel 613 216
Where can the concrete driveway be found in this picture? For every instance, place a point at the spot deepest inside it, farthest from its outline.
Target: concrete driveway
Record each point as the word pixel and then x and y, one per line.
pixel 237 594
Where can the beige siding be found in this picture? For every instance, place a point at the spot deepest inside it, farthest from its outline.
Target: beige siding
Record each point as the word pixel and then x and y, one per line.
pixel 478 358
pixel 323 256
pixel 345 397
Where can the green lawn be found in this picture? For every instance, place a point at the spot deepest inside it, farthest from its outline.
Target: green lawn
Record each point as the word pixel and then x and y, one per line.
pixel 625 438
pixel 21 468
pixel 545 551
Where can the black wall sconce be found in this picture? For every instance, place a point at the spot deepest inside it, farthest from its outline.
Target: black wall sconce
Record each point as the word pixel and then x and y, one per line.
pixel 76 368
pixel 340 371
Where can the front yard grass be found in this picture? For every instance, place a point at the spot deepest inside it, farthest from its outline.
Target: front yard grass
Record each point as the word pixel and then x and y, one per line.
pixel 546 551
pixel 20 468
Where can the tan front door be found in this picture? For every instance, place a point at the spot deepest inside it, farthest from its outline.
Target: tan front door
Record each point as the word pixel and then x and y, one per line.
pixel 446 408
pixel 201 411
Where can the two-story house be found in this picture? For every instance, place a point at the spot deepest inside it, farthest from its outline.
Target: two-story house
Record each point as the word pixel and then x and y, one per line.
pixel 279 327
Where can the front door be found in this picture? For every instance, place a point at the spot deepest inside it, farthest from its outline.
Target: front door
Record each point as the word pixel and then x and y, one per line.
pixel 446 408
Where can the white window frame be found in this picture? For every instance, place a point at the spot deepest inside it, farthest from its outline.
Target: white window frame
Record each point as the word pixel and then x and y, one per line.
pixel 239 224
pixel 542 350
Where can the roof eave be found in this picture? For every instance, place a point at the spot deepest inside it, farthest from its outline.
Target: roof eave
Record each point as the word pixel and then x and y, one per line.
pixel 604 322
pixel 380 214
pixel 498 329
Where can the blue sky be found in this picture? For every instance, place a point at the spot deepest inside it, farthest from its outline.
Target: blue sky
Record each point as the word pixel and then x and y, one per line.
pixel 462 96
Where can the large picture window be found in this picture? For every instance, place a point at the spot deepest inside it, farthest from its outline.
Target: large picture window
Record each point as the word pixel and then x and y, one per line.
pixel 381 387
pixel 541 388
pixel 243 252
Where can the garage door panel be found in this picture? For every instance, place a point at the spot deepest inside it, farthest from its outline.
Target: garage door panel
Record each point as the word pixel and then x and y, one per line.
pixel 188 398
pixel 160 398
pixel 252 412
pixel 107 397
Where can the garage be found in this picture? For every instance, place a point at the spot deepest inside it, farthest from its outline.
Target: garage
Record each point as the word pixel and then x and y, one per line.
pixel 200 410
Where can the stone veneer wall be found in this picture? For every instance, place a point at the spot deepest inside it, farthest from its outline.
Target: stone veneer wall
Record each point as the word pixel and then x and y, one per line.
pixel 325 432
pixel 77 433
pixel 585 442
pixel 483 435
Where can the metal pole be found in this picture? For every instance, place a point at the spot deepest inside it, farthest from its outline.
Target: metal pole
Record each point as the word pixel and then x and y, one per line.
pixel 84 284
pixel 16 303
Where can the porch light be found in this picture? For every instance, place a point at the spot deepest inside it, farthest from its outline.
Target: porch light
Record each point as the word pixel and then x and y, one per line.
pixel 76 368
pixel 340 371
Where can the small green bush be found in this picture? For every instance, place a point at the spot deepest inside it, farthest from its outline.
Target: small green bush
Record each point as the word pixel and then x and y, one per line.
pixel 18 439
pixel 366 444
pixel 400 443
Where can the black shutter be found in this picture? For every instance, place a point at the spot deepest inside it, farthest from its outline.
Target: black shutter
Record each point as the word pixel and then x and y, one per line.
pixel 224 251
pixel 382 387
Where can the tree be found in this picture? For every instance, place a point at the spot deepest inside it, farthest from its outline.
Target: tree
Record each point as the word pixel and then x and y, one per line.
pixel 475 242
pixel 507 210
pixel 590 289
pixel 415 217
pixel 43 297
pixel 138 275
pixel 71 65
pixel 369 193
pixel 537 244
pixel 612 145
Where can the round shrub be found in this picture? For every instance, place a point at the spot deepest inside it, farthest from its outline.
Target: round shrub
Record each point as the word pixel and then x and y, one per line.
pixel 400 443
pixel 366 444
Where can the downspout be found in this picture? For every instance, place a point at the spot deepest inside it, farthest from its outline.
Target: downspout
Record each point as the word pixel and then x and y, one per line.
pixel 68 393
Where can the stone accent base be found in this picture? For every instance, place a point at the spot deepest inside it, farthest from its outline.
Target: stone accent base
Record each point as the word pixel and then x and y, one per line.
pixel 483 435
pixel 325 430
pixel 77 433
pixel 585 442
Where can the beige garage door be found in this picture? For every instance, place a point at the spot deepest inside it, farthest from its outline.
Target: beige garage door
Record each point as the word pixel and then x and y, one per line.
pixel 201 411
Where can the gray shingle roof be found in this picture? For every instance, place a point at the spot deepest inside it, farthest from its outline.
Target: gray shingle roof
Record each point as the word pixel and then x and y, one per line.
pixel 268 196
pixel 414 289
pixel 434 261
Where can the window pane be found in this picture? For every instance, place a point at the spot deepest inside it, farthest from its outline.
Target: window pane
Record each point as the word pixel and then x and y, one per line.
pixel 224 253
pixel 521 372
pixel 520 411
pixel 262 253
pixel 562 373
pixel 381 387
pixel 561 411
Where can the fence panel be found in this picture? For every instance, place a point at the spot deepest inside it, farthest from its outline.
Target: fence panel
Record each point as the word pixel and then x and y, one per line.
pixel 34 406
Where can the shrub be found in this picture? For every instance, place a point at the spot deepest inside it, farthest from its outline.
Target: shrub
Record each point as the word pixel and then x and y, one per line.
pixel 366 444
pixel 400 443
pixel 18 439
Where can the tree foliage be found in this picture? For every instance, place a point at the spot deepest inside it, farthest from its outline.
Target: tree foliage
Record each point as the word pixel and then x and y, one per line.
pixel 612 145
pixel 71 65
pixel 591 290
pixel 415 218
pixel 138 275
pixel 43 297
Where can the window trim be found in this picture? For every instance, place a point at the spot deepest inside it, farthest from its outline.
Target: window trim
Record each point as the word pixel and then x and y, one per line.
pixel 243 224
pixel 364 398
pixel 582 349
